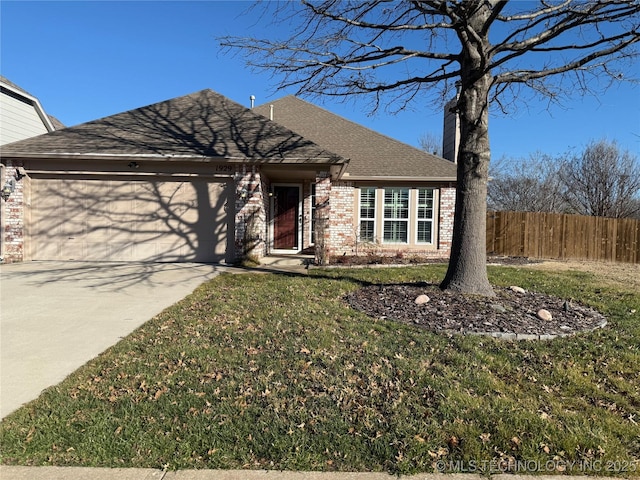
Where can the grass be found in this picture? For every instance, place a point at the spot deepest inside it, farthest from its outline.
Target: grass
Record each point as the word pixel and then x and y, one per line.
pixel 274 371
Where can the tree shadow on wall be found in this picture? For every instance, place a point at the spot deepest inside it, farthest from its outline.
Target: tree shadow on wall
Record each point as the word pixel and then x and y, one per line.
pixel 204 124
pixel 172 210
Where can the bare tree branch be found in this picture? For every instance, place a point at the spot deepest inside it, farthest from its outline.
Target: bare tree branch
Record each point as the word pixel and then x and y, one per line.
pixel 401 52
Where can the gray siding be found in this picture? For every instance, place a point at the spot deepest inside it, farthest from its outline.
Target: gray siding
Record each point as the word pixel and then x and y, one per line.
pixel 18 120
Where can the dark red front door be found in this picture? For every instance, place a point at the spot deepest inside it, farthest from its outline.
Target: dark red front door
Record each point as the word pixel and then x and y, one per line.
pixel 285 224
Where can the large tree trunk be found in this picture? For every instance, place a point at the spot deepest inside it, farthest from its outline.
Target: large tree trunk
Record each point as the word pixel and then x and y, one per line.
pixel 467 272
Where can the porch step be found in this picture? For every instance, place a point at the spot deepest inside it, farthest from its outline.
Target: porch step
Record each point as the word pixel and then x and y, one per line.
pixel 287 260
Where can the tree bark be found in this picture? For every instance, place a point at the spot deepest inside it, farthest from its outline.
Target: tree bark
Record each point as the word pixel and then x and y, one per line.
pixel 467 272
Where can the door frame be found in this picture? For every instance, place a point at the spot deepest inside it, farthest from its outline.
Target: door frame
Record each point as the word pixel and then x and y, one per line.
pixel 290 251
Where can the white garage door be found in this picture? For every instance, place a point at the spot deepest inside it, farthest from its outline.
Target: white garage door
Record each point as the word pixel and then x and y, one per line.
pixel 119 219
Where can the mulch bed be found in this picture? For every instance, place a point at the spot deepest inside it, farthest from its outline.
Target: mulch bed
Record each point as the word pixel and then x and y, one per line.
pixel 508 312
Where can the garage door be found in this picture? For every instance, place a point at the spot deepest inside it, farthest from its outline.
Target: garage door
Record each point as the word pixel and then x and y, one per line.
pixel 119 219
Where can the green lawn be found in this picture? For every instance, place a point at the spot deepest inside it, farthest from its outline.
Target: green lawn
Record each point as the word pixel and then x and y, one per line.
pixel 276 371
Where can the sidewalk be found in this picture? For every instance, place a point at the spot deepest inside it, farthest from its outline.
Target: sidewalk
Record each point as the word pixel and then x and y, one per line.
pixel 73 473
pixel 76 473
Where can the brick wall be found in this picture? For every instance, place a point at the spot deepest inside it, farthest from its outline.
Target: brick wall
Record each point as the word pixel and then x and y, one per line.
pixel 13 215
pixel 324 221
pixel 445 219
pixel 343 226
pixel 251 206
pixel 343 235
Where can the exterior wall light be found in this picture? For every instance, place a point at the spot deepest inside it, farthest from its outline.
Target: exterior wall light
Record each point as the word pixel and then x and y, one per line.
pixel 8 189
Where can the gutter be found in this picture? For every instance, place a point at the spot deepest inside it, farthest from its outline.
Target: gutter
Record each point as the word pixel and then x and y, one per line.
pixel 168 157
pixel 369 178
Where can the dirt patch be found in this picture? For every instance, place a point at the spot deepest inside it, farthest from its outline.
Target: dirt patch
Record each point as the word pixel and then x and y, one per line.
pixel 508 312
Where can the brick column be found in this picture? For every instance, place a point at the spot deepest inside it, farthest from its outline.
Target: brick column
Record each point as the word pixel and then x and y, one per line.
pixel 250 214
pixel 343 230
pixel 13 214
pixel 323 222
pixel 445 221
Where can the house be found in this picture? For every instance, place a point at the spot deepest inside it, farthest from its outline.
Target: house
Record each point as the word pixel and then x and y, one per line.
pixel 391 197
pixel 200 178
pixel 21 115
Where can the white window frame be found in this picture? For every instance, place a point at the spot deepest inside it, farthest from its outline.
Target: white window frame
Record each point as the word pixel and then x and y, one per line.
pixel 406 220
pixel 373 219
pixel 428 220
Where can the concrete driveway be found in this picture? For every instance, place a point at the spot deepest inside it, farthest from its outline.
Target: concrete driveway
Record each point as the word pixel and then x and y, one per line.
pixel 56 316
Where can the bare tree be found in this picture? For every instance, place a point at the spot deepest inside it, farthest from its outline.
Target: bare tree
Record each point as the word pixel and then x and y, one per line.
pixel 603 181
pixel 431 143
pixel 526 184
pixel 496 49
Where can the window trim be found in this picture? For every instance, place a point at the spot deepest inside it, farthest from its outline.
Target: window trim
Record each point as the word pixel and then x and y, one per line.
pixel 406 220
pixel 374 219
pixel 430 220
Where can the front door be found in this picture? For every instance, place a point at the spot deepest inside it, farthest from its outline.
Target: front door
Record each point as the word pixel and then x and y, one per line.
pixel 286 203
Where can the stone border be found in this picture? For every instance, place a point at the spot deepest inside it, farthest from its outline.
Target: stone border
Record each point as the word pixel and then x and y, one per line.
pixel 510 336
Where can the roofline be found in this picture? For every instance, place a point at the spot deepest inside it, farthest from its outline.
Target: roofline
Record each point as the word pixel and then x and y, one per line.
pixel 368 178
pixel 36 103
pixel 167 157
pixel 376 132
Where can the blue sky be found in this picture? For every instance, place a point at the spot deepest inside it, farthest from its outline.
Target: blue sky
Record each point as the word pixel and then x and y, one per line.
pixel 86 60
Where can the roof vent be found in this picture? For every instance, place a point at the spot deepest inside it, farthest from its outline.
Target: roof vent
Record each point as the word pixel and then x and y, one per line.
pixel 252 99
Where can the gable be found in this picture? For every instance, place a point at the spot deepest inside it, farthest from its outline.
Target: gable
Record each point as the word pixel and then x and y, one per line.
pixel 370 153
pixel 21 115
pixel 201 125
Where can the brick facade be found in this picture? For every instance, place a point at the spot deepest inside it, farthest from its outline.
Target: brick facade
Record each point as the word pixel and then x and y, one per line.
pixel 324 221
pixel 251 207
pixel 336 218
pixel 14 213
pixel 343 218
pixel 343 237
pixel 445 218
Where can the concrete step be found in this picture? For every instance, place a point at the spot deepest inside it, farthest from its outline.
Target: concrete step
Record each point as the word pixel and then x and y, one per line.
pixel 287 260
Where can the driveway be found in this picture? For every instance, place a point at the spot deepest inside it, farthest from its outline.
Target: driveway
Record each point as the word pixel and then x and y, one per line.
pixel 56 316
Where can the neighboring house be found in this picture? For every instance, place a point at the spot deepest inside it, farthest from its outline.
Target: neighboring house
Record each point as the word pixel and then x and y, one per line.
pixel 21 116
pixel 201 178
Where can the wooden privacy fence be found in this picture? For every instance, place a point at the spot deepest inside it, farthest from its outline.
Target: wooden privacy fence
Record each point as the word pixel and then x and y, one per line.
pixel 561 236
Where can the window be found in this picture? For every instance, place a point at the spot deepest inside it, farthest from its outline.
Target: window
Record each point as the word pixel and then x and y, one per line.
pixel 396 215
pixel 367 214
pixel 425 215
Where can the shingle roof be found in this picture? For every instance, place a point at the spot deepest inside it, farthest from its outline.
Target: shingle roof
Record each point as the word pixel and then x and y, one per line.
pixel 57 124
pixel 204 124
pixel 9 83
pixel 370 153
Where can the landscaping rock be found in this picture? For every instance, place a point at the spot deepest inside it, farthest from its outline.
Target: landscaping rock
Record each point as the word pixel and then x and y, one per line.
pixel 517 289
pixel 422 299
pixel 544 315
pixel 498 308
